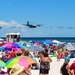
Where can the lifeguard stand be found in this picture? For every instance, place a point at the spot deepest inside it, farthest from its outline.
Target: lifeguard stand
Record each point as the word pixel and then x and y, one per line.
pixel 13 37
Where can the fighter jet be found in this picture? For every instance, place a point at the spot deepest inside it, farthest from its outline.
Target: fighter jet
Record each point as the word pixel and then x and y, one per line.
pixel 32 25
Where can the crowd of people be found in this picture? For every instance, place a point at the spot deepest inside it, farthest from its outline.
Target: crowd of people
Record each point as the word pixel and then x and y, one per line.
pixel 44 63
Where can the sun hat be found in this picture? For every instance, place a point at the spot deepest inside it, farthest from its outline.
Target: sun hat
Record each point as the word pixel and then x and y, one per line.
pixel 16 69
pixel 67 58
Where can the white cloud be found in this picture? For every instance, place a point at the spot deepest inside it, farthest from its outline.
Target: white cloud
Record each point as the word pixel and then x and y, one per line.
pixel 12 23
pixel 15 24
pixel 2 23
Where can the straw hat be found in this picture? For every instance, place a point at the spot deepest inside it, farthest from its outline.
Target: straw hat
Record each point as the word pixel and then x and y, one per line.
pixel 16 69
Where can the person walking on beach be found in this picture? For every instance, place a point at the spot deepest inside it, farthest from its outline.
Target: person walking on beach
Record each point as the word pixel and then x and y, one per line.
pixel 44 63
pixel 65 67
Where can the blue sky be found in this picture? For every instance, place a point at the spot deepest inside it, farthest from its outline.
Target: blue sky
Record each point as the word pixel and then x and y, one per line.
pixel 56 16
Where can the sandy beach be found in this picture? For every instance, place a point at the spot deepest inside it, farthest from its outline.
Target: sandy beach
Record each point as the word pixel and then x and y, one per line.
pixel 54 67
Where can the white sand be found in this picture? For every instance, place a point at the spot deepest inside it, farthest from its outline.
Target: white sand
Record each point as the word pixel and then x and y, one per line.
pixel 54 67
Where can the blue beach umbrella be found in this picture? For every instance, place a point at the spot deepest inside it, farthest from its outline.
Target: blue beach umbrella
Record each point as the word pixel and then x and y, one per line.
pixel 48 42
pixel 32 41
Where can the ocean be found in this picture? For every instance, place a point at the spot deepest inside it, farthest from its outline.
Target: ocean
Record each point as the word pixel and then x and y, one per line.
pixel 62 39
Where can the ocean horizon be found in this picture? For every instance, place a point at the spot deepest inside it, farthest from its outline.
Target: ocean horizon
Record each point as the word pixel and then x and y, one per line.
pixel 62 39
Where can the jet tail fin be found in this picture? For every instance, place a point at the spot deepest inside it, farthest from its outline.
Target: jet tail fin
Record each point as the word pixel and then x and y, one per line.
pixel 27 22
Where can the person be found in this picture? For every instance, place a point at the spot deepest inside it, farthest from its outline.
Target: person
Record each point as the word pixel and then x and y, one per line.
pixel 72 67
pixel 19 54
pixel 0 55
pixel 12 55
pixel 18 70
pixel 44 63
pixel 62 54
pixel 27 53
pixel 66 53
pixel 33 66
pixel 58 55
pixel 64 70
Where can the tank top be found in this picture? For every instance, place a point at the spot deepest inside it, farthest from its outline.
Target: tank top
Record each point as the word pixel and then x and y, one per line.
pixel 44 65
pixel 64 70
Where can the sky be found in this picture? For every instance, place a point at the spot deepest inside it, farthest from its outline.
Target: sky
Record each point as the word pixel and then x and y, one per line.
pixel 57 17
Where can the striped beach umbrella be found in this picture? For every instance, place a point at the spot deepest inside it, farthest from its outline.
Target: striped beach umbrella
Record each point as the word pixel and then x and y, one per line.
pixel 2 64
pixel 22 60
pixel 11 45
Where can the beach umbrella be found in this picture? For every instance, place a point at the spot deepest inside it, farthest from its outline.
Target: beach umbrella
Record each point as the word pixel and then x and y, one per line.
pixel 58 42
pixel 48 42
pixel 35 48
pixel 18 49
pixel 2 64
pixel 23 43
pixel 11 45
pixel 22 60
pixel 28 45
pixel 1 39
pixel 32 41
pixel 69 47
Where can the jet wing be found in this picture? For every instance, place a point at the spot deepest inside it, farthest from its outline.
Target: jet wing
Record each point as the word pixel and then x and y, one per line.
pixel 36 25
pixel 24 24
pixel 39 25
